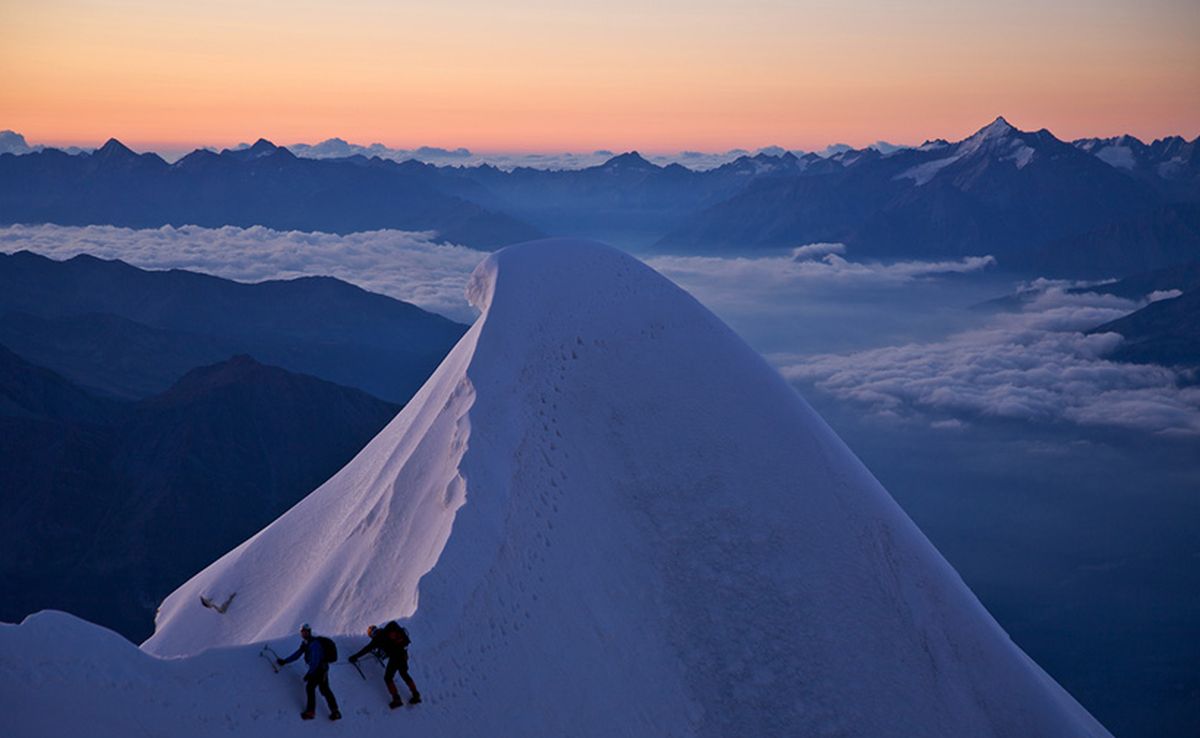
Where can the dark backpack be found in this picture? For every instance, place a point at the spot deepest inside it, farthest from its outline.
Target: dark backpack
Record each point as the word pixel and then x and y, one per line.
pixel 396 634
pixel 328 649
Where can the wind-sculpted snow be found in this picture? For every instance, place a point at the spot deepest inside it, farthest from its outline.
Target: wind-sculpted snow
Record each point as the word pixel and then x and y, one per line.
pixel 605 515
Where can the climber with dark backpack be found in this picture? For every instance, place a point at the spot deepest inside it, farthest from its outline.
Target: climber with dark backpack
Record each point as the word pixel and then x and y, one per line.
pixel 319 652
pixel 393 641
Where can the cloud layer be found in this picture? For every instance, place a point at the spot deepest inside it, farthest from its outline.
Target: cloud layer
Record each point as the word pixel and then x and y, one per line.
pixel 820 265
pixel 337 147
pixel 411 267
pixel 1034 365
pixel 407 266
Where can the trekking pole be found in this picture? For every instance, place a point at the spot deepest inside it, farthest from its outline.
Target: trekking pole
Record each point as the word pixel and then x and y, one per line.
pixel 359 670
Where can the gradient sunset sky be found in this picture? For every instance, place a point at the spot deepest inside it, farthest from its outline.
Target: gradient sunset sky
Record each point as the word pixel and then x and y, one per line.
pixel 535 75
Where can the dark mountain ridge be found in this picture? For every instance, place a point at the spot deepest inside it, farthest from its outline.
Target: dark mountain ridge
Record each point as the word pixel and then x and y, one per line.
pixel 110 505
pixel 131 332
pixel 1167 331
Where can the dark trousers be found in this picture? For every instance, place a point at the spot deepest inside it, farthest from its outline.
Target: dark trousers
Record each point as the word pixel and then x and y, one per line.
pixel 319 680
pixel 398 664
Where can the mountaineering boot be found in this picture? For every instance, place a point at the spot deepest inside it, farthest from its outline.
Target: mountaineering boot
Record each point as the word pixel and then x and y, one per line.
pixel 396 702
pixel 335 715
pixel 416 697
pixel 307 715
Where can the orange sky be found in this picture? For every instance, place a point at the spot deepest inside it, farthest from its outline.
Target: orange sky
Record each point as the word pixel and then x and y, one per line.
pixel 528 75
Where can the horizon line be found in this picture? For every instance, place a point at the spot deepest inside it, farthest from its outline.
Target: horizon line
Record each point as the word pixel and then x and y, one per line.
pixel 158 146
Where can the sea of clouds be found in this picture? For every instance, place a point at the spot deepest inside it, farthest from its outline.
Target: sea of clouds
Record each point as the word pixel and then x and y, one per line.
pixel 406 265
pixel 805 265
pixel 411 266
pixel 1037 363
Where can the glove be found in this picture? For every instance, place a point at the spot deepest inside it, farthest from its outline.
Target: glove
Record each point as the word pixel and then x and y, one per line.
pixel 354 659
pixel 279 661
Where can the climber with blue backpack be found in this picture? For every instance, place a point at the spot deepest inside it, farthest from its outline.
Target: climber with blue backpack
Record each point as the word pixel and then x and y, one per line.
pixel 319 652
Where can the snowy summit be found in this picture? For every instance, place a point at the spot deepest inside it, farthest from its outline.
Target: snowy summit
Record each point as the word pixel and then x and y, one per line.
pixel 604 515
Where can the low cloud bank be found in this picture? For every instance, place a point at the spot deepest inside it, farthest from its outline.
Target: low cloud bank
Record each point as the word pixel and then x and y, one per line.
pixel 337 147
pixel 813 263
pixel 407 266
pixel 1034 365
pixel 410 266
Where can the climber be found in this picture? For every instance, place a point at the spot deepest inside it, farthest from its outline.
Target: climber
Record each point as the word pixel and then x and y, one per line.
pixel 393 641
pixel 319 653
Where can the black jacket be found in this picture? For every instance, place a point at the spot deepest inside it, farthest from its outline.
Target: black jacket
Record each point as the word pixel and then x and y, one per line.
pixel 384 641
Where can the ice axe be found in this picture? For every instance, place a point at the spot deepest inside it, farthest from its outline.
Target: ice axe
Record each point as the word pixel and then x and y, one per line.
pixel 270 659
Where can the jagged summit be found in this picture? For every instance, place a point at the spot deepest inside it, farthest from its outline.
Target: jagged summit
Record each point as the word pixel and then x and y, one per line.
pixel 996 129
pixel 113 149
pixel 630 160
pixel 767 163
pixel 259 149
pixel 606 515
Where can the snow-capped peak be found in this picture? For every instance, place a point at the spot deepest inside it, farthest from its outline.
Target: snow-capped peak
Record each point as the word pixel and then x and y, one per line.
pixel 602 507
pixel 998 128
pixel 998 139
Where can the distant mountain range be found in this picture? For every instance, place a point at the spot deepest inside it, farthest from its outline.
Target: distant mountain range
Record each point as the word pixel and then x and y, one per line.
pixel 109 505
pixel 1171 164
pixel 262 185
pixel 129 333
pixel 1001 191
pixel 1090 207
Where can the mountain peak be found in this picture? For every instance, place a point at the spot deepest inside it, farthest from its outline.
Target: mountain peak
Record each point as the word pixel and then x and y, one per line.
pixel 996 129
pixel 554 458
pixel 113 148
pixel 241 370
pixel 628 160
pixel 771 156
pixel 263 146
pixel 259 149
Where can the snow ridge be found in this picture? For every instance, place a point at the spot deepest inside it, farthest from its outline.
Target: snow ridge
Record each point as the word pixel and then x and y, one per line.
pixel 606 515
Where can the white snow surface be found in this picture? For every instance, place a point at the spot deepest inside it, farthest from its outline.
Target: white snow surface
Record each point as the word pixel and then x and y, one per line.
pixel 604 515
pixel 1120 157
pixel 998 138
pixel 922 173
pixel 1021 154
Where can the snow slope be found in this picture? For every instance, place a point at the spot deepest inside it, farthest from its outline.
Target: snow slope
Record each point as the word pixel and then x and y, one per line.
pixel 603 515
